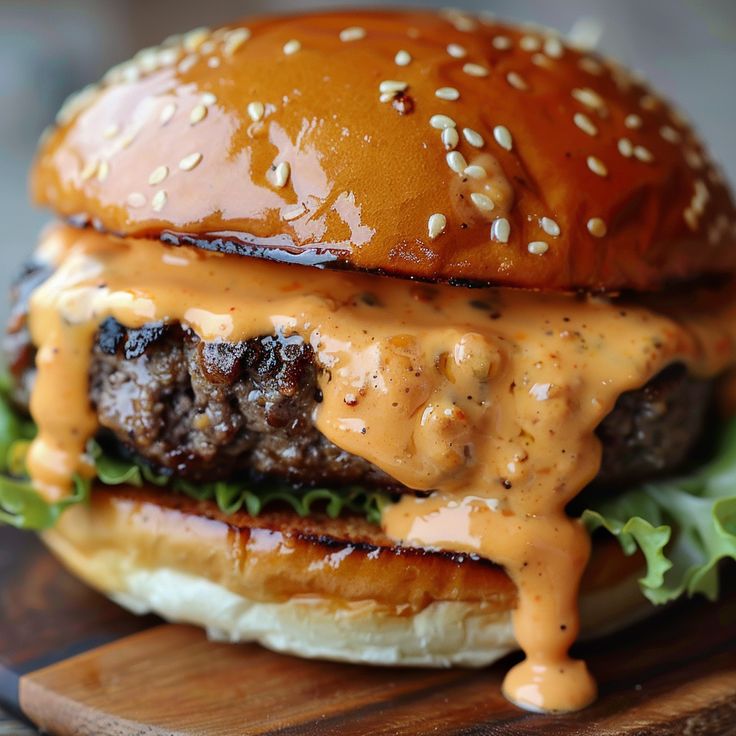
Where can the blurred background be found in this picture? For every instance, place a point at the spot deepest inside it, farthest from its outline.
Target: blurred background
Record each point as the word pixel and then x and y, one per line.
pixel 48 48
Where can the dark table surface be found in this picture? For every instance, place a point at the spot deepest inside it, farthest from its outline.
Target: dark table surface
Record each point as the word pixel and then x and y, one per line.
pixel 9 726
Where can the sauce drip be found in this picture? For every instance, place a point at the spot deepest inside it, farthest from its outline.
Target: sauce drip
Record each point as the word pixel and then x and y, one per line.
pixel 488 398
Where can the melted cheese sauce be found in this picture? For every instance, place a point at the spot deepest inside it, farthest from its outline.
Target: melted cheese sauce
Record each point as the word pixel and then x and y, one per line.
pixel 488 398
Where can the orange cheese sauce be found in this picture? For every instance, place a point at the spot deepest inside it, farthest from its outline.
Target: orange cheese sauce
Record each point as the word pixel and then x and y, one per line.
pixel 488 398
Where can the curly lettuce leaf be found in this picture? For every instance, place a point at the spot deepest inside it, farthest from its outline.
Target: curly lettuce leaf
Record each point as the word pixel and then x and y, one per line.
pixel 24 508
pixel 20 505
pixel 684 527
pixel 235 496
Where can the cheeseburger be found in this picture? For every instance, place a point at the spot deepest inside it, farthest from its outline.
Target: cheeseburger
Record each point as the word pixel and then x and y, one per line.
pixel 386 337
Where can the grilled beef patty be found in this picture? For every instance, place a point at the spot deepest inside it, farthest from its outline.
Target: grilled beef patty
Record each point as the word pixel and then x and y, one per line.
pixel 207 411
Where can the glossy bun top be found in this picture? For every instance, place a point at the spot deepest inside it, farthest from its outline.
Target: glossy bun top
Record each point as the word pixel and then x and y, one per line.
pixel 431 145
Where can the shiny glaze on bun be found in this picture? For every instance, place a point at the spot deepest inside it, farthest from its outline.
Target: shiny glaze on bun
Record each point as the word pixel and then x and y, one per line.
pixel 314 138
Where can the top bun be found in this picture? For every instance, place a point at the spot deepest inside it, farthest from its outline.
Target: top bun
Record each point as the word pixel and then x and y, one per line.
pixel 319 138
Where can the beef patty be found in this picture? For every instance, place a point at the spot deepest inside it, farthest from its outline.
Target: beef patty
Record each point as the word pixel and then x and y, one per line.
pixel 207 411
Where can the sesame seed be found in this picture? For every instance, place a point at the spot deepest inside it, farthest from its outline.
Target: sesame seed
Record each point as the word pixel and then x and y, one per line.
pixel 208 98
pixel 146 60
pixel 590 65
pixel 103 170
pixel 168 57
pixel 537 247
pixel 502 43
pixel 670 134
pixel 294 213
pixel 500 230
pixel 503 137
pixel 125 140
pixel 516 80
pixel 597 166
pixel 456 161
pixel 281 174
pixel 353 33
pixel 159 200
pixel 701 197
pixel 292 46
pixel 391 86
pixel 456 51
pixel 540 60
pixel 585 34
pixel 436 225
pixel 585 123
pixel 474 171
pixel 256 111
pixel 482 202
pixel 474 138
pixel 46 134
pixel 164 58
pixel 402 58
pixel 597 227
pixel 691 218
pixel 89 170
pixel 136 199
pixel 475 70
pixel 589 98
pixel 633 121
pixel 450 138
pixel 693 158
pixel 649 102
pixel 715 176
pixel 553 48
pixel 461 21
pixel 111 131
pixel 447 93
pixel 643 154
pixel 213 62
pixel 131 72
pixel 158 175
pixel 387 97
pixel 198 114
pixel 167 112
pixel 194 39
pixel 550 226
pixel 189 162
pixel 530 43
pixel 234 40
pixel 626 148
pixel 187 63
pixel 440 122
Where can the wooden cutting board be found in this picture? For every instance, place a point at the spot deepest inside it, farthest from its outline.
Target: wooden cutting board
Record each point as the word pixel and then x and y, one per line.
pixel 74 663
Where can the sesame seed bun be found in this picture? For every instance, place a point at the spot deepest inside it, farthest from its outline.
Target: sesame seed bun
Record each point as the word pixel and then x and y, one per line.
pixel 435 146
pixel 318 587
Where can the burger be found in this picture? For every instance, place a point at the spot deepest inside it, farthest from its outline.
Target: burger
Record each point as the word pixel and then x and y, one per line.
pixel 386 337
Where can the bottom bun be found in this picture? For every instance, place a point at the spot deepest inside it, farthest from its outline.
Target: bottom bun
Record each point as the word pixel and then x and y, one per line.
pixel 317 588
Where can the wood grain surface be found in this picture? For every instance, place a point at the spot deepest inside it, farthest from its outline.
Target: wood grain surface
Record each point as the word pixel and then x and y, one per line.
pixel 675 674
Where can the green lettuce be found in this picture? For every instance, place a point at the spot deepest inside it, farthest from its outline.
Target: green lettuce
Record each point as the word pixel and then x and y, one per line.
pixel 684 527
pixel 20 505
pixel 235 496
